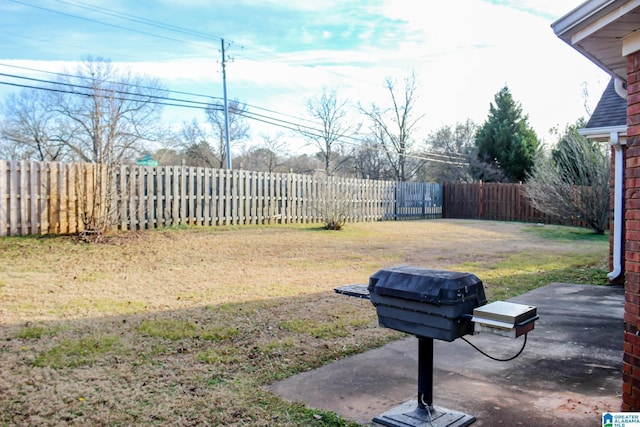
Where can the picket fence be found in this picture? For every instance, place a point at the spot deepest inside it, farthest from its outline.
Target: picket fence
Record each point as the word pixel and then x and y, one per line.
pixel 39 198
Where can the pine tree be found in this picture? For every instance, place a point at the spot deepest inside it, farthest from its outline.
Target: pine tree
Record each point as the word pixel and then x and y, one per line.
pixel 506 140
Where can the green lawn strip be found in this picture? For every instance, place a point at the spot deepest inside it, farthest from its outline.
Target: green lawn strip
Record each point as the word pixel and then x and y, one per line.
pixel 566 234
pixel 525 271
pixel 71 353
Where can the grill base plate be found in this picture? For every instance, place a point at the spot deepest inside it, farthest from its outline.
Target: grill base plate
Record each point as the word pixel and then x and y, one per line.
pixel 409 415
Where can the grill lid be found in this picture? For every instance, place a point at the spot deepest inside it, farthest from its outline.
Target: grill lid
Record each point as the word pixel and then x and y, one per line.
pixel 427 285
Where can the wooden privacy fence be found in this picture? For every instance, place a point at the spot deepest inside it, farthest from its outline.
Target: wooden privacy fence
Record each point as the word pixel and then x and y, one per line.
pixel 55 198
pixel 494 201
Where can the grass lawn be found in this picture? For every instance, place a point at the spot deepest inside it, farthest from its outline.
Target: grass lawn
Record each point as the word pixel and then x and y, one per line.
pixel 187 326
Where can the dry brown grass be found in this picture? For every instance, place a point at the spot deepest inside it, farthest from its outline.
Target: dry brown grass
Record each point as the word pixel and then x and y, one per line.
pixel 184 327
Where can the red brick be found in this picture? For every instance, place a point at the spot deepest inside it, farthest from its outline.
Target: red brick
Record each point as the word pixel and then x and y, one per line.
pixel 633 282
pixel 633 130
pixel 627 369
pixel 635 342
pixel 632 182
pixel 631 173
pixel 632 63
pixel 630 319
pixel 632 246
pixel 633 87
pixel 633 256
pixel 630 265
pixel 630 403
pixel 629 298
pixel 632 298
pixel 633 97
pixel 632 234
pixel 631 308
pixel 632 161
pixel 628 347
pixel 633 110
pixel 632 193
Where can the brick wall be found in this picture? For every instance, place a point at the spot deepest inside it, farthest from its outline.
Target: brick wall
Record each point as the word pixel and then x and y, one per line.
pixel 631 359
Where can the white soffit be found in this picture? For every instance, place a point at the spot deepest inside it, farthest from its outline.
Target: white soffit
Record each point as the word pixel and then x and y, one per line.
pixel 604 21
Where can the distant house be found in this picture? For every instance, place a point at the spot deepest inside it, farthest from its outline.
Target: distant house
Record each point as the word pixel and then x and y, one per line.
pixel 607 32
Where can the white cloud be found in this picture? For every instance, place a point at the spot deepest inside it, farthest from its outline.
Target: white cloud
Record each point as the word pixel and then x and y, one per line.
pixel 463 52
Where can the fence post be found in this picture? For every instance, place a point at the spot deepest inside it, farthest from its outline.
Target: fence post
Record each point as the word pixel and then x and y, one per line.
pixel 480 199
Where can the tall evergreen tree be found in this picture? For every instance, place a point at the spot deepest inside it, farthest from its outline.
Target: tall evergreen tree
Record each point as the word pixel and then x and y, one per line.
pixel 506 139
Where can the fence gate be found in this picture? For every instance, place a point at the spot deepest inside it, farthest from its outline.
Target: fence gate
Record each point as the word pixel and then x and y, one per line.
pixel 418 200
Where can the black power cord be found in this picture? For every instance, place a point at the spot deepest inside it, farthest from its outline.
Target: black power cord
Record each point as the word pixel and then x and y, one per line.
pixel 495 358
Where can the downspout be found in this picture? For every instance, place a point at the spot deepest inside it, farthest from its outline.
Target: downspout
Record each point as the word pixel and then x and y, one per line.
pixel 617 206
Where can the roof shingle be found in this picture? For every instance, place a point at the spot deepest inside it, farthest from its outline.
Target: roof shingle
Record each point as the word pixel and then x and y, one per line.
pixel 611 110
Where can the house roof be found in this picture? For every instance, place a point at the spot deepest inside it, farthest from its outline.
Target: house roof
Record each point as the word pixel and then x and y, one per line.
pixel 601 30
pixel 611 110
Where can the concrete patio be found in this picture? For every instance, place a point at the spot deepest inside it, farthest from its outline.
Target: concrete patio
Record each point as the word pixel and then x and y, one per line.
pixel 568 375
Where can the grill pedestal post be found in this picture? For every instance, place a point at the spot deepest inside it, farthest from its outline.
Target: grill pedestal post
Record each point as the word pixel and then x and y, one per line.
pixel 425 373
pixel 422 412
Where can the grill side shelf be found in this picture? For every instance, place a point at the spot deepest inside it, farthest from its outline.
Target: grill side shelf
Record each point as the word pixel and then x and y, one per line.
pixel 356 290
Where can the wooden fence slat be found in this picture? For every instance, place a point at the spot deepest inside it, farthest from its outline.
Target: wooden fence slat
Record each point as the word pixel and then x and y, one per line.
pixel 14 194
pixel 123 197
pixel 4 198
pixel 240 195
pixel 160 200
pixel 174 211
pixel 33 198
pixel 24 198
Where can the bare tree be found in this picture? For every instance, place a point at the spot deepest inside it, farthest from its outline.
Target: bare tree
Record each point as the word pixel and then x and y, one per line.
pixel 369 161
pixel 456 145
pixel 335 202
pixel 108 115
pixel 238 128
pixel 196 146
pixel 573 182
pixel 29 130
pixel 393 128
pixel 302 164
pixel 335 126
pixel 269 156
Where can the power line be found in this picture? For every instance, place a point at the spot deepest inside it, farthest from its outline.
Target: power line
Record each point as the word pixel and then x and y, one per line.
pixel 158 24
pixel 75 76
pixel 161 25
pixel 141 20
pixel 95 21
pixel 158 100
pixel 197 95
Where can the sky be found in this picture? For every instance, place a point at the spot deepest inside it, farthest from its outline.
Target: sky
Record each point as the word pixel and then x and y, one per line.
pixel 281 53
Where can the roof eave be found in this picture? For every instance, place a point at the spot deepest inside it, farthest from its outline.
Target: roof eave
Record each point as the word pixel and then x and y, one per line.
pixel 603 134
pixel 585 12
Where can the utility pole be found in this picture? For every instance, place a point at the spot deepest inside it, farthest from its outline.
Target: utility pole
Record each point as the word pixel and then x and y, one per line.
pixel 226 108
